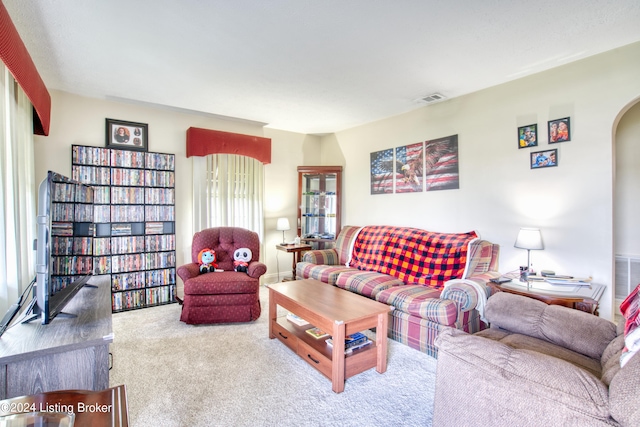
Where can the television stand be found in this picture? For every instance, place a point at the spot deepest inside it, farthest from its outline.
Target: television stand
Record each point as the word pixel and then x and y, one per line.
pixel 66 353
pixel 35 313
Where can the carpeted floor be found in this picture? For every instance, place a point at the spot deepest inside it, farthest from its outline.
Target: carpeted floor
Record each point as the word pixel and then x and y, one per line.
pixel 234 375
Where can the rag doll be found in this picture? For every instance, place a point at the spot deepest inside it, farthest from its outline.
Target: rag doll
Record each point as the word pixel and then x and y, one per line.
pixel 241 258
pixel 207 261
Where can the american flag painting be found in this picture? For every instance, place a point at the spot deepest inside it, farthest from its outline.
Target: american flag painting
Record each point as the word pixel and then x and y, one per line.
pixel 382 172
pixel 441 164
pixel 409 172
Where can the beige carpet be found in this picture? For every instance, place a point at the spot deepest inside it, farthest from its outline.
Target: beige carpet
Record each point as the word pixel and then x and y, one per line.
pixel 234 375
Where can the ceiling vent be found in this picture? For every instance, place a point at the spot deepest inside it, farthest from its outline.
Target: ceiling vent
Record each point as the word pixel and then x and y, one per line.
pixel 435 97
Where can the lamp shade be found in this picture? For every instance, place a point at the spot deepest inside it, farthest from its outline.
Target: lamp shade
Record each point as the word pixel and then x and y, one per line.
pixel 529 238
pixel 283 224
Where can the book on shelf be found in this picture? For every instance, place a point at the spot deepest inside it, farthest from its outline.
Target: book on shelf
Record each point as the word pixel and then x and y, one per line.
pixel 296 319
pixel 353 345
pixel 352 340
pixel 317 333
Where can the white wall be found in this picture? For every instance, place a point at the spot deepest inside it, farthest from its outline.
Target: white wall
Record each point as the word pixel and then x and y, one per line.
pixel 571 203
pixel 79 120
pixel 499 193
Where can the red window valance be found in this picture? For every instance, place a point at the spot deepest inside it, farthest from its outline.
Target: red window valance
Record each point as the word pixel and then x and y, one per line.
pixel 16 58
pixel 202 142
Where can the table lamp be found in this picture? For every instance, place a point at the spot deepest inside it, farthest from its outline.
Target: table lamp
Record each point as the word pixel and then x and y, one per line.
pixel 283 225
pixel 529 239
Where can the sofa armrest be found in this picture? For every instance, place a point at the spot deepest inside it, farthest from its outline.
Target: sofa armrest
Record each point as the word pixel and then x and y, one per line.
pixel 514 386
pixel 573 329
pixel 256 269
pixel 322 257
pixel 188 271
pixel 463 293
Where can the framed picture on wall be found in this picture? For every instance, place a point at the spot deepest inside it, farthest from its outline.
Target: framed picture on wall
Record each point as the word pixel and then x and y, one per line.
pixel 409 173
pixel 559 130
pixel 528 136
pixel 544 159
pixel 382 171
pixel 127 135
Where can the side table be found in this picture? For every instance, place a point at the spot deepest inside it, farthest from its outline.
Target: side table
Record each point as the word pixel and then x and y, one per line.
pixel 583 298
pixel 296 250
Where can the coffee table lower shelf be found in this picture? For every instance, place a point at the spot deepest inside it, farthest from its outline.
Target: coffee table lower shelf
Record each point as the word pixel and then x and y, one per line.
pixel 338 312
pixel 317 353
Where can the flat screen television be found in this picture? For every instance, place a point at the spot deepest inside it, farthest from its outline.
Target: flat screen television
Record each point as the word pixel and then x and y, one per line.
pixel 64 245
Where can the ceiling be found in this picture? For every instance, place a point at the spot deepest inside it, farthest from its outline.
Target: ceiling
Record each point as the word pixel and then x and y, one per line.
pixel 309 66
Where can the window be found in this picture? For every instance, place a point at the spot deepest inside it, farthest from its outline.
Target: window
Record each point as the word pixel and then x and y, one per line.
pixel 17 191
pixel 232 193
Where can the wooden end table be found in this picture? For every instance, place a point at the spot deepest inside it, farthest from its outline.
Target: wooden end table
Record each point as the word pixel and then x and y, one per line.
pixel 583 298
pixel 338 312
pixel 296 250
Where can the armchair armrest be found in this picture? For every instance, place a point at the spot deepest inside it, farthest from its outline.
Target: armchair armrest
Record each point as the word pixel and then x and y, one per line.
pixel 322 257
pixel 573 329
pixel 188 271
pixel 256 269
pixel 498 382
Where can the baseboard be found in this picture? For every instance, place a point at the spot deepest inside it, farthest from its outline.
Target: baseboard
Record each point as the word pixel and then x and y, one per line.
pixel 275 277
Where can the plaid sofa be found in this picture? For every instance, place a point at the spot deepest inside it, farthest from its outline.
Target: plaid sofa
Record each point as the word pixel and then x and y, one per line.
pixel 433 280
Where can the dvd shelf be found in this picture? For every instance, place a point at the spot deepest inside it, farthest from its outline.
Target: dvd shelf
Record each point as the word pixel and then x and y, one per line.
pixel 134 213
pixel 72 232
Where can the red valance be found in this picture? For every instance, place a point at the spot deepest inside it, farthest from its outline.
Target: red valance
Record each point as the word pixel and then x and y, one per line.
pixel 202 142
pixel 16 58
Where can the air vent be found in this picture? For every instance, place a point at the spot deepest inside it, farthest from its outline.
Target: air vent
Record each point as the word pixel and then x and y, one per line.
pixel 433 98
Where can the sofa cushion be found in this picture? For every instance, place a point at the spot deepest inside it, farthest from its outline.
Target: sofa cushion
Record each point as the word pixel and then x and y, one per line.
pixel 322 257
pixel 344 243
pixel 624 399
pixel 483 257
pixel 523 342
pixel 506 386
pixel 420 301
pixel 610 360
pixel 366 283
pixel 226 282
pixel 324 273
pixel 576 330
pixel 412 255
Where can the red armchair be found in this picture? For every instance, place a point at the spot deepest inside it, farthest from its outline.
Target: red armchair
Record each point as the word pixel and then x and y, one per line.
pixel 227 296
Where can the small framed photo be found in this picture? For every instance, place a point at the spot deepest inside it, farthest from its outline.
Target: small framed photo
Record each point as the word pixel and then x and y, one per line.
pixel 544 159
pixel 559 130
pixel 528 136
pixel 127 135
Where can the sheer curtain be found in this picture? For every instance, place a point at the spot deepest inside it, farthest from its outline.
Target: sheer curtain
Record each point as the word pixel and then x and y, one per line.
pixel 228 191
pixel 17 191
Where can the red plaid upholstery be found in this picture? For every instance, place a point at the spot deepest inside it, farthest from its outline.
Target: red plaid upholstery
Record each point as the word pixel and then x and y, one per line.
pixel 343 242
pixel 367 283
pixel 412 255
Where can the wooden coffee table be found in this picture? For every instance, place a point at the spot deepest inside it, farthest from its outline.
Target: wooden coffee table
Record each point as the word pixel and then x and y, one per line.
pixel 338 312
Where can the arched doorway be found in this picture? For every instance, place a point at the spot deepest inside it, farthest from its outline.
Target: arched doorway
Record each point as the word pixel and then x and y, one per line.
pixel 626 202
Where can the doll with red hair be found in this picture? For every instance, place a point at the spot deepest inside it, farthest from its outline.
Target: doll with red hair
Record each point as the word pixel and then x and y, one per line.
pixel 207 261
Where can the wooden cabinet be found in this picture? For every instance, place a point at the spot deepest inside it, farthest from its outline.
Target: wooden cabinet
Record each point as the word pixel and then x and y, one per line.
pixel 69 353
pixel 319 204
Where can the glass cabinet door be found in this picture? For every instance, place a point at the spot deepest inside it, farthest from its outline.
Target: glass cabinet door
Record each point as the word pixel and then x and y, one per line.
pixel 319 207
